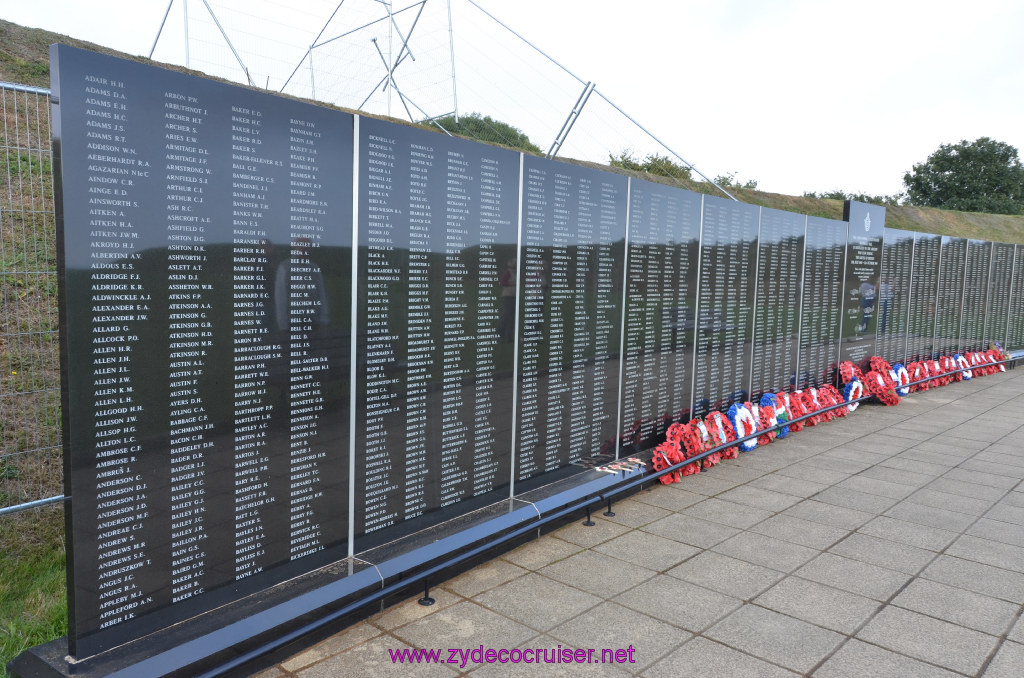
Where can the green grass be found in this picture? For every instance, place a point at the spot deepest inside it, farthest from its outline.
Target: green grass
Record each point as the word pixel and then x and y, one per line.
pixel 33 607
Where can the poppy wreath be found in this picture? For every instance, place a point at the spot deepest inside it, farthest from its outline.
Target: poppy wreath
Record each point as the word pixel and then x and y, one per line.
pixel 712 459
pixel 768 418
pixel 882 386
pixel 821 402
pixel 917 372
pixel 834 397
pixel 674 434
pixel 721 432
pixel 809 399
pixel 694 443
pixel 879 364
pixel 852 391
pixel 781 413
pixel 948 366
pixel 989 362
pixel 849 371
pixel 794 405
pixel 963 374
pixel 744 423
pixel 995 356
pixel 662 459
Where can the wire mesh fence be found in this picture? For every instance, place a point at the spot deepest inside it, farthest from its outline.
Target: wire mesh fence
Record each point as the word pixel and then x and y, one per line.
pixel 30 443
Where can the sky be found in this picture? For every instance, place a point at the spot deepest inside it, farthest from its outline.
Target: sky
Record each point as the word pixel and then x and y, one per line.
pixel 798 95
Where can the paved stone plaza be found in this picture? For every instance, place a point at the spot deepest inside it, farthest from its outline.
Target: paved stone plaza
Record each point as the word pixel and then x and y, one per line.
pixel 889 543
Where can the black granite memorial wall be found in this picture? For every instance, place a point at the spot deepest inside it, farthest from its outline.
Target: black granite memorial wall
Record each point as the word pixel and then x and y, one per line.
pixel 725 304
pixel 821 299
pixel 780 254
pixel 999 285
pixel 894 295
pixel 1015 322
pixel 206 238
pixel 923 289
pixel 573 256
pixel 975 295
pixel 949 304
pixel 292 337
pixel 661 297
pixel 438 223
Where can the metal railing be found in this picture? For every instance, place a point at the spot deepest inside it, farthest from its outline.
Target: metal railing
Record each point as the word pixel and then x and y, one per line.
pixel 31 468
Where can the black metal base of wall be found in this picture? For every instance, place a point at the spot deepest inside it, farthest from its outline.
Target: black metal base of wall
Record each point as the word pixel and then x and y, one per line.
pixel 240 637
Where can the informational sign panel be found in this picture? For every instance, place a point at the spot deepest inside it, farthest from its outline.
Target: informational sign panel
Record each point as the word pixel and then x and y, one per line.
pixel 999 285
pixel 861 286
pixel 923 288
pixel 949 305
pixel 821 301
pixel 661 298
pixel 438 221
pixel 206 232
pixel 725 305
pixel 894 295
pixel 780 255
pixel 571 278
pixel 979 254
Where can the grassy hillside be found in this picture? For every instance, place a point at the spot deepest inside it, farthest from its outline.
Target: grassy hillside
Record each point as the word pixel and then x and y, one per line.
pixel 24 58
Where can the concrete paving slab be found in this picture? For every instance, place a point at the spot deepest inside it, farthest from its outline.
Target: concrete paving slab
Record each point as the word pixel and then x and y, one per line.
pixel 1008 662
pixel 857 659
pixel 951 502
pixel 775 637
pixel 799 531
pixel 766 551
pixel 921 536
pixel 484 577
pixel 610 625
pixel 931 516
pixel 702 658
pixel 997 554
pixel 647 550
pixel 883 553
pixel 929 639
pixel 541 552
pixel 538 602
pixel 796 487
pixel 955 605
pixel 829 514
pixel 857 500
pixel 371 660
pixel 464 624
pixel 690 530
pixel 597 573
pixel 726 575
pixel 973 576
pixel 728 513
pixel 679 602
pixel 854 576
pixel 766 500
pixel 821 605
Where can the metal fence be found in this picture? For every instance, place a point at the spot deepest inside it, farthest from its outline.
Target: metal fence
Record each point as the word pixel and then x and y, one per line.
pixel 30 441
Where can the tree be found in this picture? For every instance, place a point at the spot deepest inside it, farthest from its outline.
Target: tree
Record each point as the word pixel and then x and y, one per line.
pixel 486 128
pixel 978 176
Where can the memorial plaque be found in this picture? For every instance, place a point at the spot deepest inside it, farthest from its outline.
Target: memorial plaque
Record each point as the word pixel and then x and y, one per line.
pixel 725 304
pixel 972 336
pixel 949 303
pixel 661 296
pixel 894 295
pixel 1015 324
pixel 438 221
pixel 780 254
pixel 206 233
pixel 821 301
pixel 924 284
pixel 999 284
pixel 572 268
pixel 861 285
